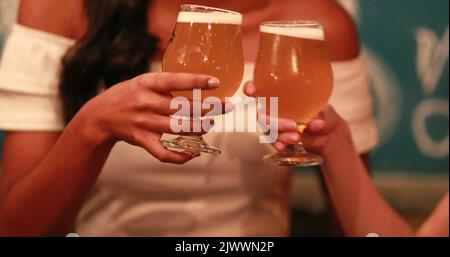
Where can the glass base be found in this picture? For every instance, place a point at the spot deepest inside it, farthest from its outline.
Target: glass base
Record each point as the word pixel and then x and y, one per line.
pixel 190 143
pixel 293 156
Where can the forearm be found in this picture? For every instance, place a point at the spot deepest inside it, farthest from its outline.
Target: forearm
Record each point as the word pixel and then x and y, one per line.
pixel 47 200
pixel 359 206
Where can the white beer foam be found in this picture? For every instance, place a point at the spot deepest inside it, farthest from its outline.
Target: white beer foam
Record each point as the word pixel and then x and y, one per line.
pixel 210 17
pixel 292 31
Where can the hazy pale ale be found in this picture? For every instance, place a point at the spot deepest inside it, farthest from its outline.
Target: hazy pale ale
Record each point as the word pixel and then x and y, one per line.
pixel 207 42
pixel 292 65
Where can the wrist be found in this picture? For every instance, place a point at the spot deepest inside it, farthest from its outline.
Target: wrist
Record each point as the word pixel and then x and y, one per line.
pixel 339 142
pixel 90 128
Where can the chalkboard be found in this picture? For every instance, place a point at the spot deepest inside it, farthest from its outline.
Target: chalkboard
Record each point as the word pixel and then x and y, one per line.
pixel 407 43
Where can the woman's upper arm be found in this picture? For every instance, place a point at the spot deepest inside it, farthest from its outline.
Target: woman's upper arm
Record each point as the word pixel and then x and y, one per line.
pixel 64 18
pixel 22 151
pixel 438 222
pixel 341 35
pixel 340 30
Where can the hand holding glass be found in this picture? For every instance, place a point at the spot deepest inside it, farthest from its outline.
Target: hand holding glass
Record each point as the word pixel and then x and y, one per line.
pixel 293 65
pixel 206 41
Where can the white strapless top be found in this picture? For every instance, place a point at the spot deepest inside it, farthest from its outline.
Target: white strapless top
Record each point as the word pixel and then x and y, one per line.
pixel 233 194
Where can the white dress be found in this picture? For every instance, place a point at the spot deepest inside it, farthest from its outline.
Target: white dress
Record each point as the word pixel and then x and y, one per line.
pixel 234 194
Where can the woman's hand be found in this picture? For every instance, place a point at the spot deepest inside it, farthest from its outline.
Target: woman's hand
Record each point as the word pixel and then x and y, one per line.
pixel 287 129
pixel 138 112
pixel 326 131
pixel 63 167
pixel 319 133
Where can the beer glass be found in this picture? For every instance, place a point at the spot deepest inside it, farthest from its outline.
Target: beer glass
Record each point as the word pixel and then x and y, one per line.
pixel 293 65
pixel 207 41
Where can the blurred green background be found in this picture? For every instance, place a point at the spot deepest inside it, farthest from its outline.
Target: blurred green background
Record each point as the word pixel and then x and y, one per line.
pixel 408 45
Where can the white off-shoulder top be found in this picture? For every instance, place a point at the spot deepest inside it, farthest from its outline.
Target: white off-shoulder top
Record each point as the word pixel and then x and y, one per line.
pixel 233 194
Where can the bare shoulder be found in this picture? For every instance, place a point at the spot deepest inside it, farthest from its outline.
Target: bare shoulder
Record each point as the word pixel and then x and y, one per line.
pixel 340 29
pixel 65 18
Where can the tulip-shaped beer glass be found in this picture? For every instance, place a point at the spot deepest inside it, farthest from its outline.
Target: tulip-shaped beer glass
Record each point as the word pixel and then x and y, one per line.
pixel 293 65
pixel 207 41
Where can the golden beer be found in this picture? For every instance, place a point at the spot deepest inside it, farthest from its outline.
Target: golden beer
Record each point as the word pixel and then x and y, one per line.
pixel 207 42
pixel 293 65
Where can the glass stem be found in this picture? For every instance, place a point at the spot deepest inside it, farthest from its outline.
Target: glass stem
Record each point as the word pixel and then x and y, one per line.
pixel 297 148
pixel 199 138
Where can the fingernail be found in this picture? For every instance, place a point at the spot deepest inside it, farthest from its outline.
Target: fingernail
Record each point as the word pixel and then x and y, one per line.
pixel 294 137
pixel 292 125
pixel 229 107
pixel 213 82
pixel 279 146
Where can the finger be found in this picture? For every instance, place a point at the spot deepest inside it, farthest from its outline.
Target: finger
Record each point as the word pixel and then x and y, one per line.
pixel 289 138
pixel 287 125
pixel 284 125
pixel 167 105
pixel 174 125
pixel 249 88
pixel 314 143
pixel 329 115
pixel 316 125
pixel 324 122
pixel 165 82
pixel 280 147
pixel 154 147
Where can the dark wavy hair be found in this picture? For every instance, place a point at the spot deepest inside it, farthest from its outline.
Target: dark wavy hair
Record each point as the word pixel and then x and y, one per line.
pixel 115 47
